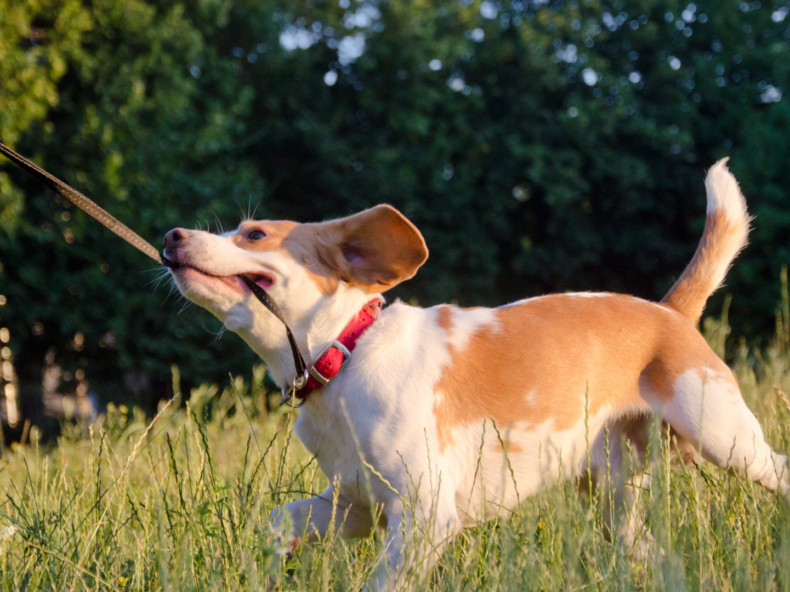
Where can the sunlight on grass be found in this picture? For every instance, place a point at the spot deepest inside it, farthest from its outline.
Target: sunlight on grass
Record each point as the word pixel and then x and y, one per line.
pixel 182 502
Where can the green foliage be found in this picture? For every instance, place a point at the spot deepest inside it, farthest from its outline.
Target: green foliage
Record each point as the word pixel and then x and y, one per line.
pixel 524 178
pixel 181 502
pixel 36 40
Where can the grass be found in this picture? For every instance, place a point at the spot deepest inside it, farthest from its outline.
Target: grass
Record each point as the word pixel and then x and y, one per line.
pixel 182 503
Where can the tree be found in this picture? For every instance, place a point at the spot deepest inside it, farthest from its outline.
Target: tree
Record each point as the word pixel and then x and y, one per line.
pixel 540 147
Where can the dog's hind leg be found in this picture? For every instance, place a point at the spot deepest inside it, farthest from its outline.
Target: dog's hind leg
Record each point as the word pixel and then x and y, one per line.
pixel 620 462
pixel 708 410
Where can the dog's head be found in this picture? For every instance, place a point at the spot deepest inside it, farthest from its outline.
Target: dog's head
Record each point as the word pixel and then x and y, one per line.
pixel 307 268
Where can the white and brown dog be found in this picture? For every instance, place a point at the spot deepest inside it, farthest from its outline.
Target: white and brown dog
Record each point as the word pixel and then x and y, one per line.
pixel 547 375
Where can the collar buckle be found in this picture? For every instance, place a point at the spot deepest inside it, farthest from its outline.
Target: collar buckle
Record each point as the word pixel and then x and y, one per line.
pixel 310 378
pixel 346 358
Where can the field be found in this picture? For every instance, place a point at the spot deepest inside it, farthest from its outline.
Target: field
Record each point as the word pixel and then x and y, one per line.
pixel 182 503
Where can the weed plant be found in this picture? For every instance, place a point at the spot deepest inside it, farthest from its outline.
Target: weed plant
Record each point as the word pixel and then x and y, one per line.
pixel 182 503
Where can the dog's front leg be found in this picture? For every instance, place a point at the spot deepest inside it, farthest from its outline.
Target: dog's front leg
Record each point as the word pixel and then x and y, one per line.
pixel 390 573
pixel 413 544
pixel 311 519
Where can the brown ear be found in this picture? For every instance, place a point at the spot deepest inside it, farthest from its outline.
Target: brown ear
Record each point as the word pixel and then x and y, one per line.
pixel 375 249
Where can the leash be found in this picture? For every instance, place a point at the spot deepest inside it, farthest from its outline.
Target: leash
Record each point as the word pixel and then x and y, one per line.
pixel 86 205
pixel 98 213
pixel 301 368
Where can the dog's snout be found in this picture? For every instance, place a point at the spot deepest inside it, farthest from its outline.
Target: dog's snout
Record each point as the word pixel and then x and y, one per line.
pixel 175 237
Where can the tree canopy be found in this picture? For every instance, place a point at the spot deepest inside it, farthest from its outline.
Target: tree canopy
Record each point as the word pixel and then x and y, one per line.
pixel 539 146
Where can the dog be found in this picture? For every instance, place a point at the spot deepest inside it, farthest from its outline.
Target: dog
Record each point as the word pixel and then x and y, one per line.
pixel 446 415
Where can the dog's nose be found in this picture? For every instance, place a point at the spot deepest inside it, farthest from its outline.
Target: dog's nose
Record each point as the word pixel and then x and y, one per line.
pixel 175 237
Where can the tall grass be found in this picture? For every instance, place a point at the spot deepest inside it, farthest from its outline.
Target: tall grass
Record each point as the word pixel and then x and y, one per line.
pixel 182 503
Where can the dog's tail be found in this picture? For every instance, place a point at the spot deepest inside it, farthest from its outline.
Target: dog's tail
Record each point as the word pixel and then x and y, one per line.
pixel 726 232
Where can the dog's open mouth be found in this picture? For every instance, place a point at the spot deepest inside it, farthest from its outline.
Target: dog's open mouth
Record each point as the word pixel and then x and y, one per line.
pixel 264 280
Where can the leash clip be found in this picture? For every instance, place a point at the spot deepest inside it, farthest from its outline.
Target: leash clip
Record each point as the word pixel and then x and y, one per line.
pixel 288 393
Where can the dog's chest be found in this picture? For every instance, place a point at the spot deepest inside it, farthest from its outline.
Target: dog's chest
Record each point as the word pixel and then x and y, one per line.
pixel 326 435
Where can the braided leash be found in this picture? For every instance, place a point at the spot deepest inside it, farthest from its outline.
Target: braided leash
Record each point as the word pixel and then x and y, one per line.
pixel 86 205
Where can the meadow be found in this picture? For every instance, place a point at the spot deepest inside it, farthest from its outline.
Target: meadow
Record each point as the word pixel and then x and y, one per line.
pixel 181 502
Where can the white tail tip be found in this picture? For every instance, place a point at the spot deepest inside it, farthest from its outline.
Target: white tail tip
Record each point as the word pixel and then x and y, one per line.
pixel 724 193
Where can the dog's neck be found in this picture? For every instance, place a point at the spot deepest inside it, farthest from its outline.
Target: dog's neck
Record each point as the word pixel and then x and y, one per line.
pixel 314 325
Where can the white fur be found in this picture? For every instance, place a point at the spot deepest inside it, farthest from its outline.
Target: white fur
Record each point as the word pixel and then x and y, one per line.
pixel 588 294
pixel 723 192
pixel 724 195
pixel 709 406
pixel 467 322
pixel 522 301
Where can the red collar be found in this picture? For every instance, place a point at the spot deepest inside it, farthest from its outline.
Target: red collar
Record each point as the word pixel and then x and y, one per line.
pixel 338 353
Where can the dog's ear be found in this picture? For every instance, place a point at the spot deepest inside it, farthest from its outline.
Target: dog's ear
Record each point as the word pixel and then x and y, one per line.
pixel 375 249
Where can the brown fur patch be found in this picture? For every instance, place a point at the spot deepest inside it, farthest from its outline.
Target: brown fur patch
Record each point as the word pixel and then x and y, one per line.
pixel 375 249
pixel 291 240
pixel 547 355
pixel 445 319
pixel 512 447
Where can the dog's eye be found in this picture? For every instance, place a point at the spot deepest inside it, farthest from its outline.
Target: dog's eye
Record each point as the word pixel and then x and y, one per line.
pixel 256 235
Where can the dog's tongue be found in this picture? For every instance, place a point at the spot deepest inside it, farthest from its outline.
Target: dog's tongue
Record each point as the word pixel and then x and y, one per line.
pixel 262 280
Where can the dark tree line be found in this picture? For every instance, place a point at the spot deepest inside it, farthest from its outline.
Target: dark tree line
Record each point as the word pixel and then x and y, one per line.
pixel 540 147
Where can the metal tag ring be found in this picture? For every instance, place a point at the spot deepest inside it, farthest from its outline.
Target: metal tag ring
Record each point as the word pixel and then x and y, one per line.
pixel 288 394
pixel 288 397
